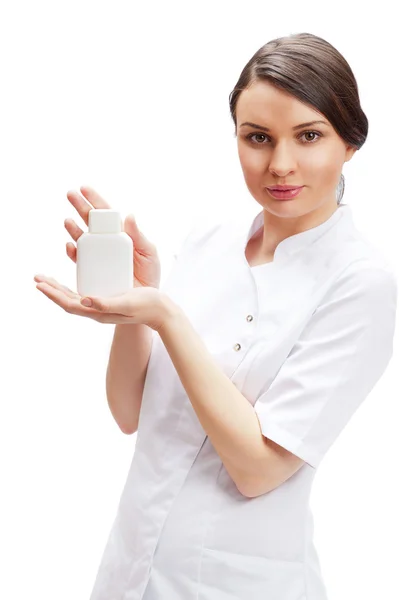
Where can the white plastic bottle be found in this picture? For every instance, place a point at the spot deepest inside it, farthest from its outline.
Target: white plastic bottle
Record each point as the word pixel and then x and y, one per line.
pixel 104 256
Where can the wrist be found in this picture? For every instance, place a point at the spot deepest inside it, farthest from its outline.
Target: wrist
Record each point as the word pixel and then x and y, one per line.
pixel 171 312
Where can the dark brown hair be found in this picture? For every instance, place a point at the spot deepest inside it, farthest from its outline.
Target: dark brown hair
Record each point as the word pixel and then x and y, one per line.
pixel 311 69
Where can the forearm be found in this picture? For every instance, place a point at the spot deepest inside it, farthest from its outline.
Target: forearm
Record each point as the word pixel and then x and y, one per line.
pixel 126 372
pixel 225 414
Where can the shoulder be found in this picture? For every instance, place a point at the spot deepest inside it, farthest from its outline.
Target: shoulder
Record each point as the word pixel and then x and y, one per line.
pixel 203 228
pixel 369 273
pixel 365 288
pixel 363 265
pixel 200 232
pixel 356 242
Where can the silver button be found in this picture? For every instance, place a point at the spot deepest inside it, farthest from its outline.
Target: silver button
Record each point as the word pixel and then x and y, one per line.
pixel 249 317
pixel 237 347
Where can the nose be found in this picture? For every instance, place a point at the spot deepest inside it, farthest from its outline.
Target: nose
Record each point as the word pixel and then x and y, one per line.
pixel 282 162
pixel 282 173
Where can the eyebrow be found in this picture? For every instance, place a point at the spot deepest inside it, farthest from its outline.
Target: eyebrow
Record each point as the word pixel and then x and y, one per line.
pixel 255 126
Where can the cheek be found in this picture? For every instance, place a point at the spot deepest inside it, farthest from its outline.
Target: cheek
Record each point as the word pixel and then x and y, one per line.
pixel 251 162
pixel 323 165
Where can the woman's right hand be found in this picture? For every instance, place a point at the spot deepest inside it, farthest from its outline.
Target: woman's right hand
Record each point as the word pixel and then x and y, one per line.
pixel 146 264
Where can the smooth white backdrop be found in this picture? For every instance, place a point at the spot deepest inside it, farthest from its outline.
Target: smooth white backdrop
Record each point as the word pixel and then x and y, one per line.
pixel 132 99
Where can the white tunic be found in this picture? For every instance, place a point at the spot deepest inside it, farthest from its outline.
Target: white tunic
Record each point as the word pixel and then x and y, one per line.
pixel 304 339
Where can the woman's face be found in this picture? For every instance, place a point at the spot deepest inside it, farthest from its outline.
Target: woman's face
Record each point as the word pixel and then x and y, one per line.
pixel 310 156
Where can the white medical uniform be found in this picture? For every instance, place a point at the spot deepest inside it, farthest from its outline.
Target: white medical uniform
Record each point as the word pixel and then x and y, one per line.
pixel 304 339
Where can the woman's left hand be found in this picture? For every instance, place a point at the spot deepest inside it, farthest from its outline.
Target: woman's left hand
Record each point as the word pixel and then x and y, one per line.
pixel 145 305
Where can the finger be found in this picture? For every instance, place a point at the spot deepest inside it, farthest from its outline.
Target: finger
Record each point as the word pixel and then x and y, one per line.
pixel 68 303
pixel 51 282
pixel 141 243
pixel 73 306
pixel 79 204
pixel 73 229
pixel 71 251
pixel 94 197
pixel 121 305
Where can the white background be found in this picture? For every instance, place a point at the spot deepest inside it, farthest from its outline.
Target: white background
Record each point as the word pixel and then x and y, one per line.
pixel 132 99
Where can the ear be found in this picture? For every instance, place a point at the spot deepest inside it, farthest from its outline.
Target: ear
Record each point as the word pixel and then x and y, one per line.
pixel 350 151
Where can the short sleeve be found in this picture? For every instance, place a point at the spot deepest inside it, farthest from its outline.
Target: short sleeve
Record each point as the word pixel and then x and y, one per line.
pixel 183 245
pixel 341 354
pixel 189 249
pixel 198 234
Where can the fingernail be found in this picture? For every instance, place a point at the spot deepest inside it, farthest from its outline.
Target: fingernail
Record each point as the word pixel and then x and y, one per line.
pixel 86 302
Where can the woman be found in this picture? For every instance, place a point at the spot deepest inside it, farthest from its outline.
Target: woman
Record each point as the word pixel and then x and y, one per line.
pixel 240 374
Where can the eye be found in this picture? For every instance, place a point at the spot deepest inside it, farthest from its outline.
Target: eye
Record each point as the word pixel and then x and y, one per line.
pixel 314 139
pixel 319 135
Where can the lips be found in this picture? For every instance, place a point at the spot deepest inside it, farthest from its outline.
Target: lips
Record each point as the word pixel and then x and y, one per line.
pixel 285 194
pixel 285 188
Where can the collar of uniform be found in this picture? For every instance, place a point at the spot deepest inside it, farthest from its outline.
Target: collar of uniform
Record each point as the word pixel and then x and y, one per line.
pixel 293 244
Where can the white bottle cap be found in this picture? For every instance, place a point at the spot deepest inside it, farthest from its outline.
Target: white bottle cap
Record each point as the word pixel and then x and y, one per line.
pixel 104 220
